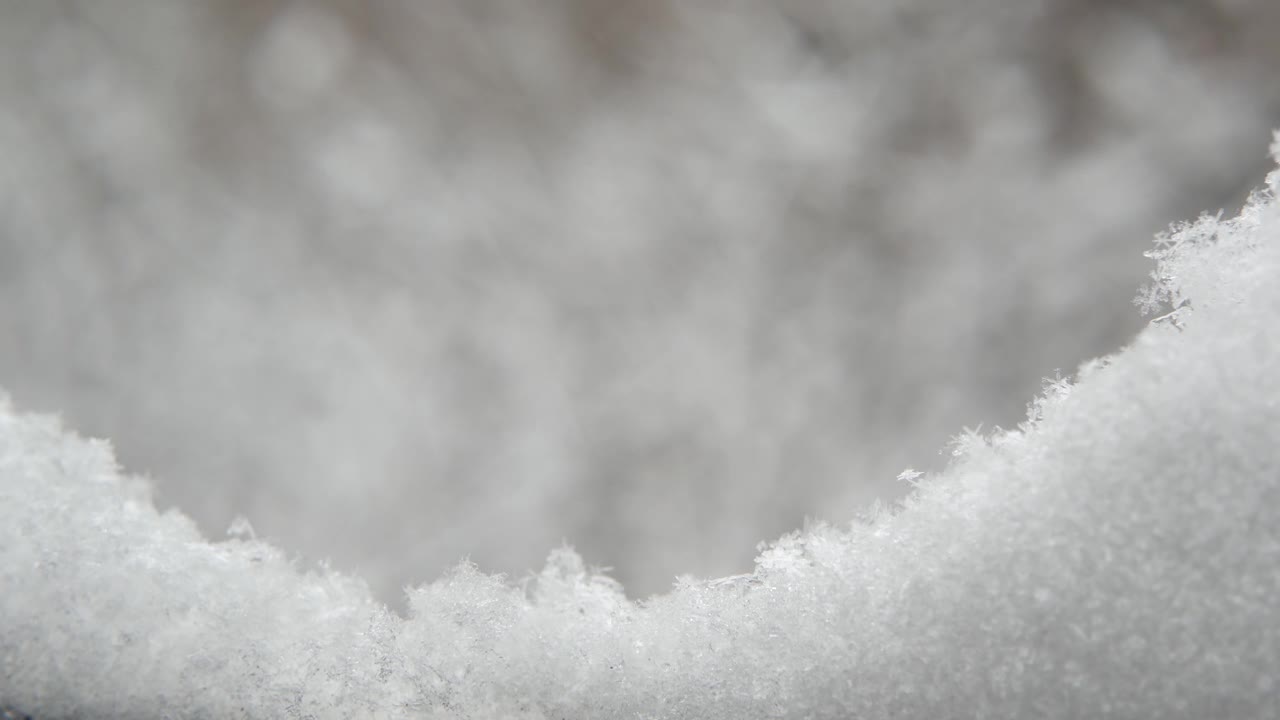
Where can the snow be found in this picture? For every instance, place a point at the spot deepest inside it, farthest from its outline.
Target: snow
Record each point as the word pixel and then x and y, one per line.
pixel 660 278
pixel 1114 555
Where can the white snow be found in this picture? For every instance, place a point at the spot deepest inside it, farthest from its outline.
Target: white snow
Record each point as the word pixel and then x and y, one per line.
pixel 661 278
pixel 1114 556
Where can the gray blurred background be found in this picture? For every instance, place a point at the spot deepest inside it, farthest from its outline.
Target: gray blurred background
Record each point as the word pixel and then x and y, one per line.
pixel 404 282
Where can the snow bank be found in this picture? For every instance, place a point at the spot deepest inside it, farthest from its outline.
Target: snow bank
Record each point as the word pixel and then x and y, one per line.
pixel 1114 556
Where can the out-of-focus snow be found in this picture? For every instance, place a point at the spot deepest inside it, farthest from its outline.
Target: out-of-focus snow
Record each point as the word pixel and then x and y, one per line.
pixel 406 282
pixel 1114 555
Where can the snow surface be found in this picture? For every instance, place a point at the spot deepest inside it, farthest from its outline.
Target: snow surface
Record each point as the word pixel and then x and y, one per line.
pixel 658 277
pixel 1114 556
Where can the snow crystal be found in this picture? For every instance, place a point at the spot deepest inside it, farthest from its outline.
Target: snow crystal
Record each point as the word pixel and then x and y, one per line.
pixel 1114 557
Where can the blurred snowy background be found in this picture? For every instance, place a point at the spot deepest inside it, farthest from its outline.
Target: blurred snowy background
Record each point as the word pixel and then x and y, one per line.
pixel 406 282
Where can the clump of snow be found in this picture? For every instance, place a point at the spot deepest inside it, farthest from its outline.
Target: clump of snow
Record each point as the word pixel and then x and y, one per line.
pixel 1114 556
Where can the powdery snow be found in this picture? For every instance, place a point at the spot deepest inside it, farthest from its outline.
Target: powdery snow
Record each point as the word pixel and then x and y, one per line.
pixel 1114 556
